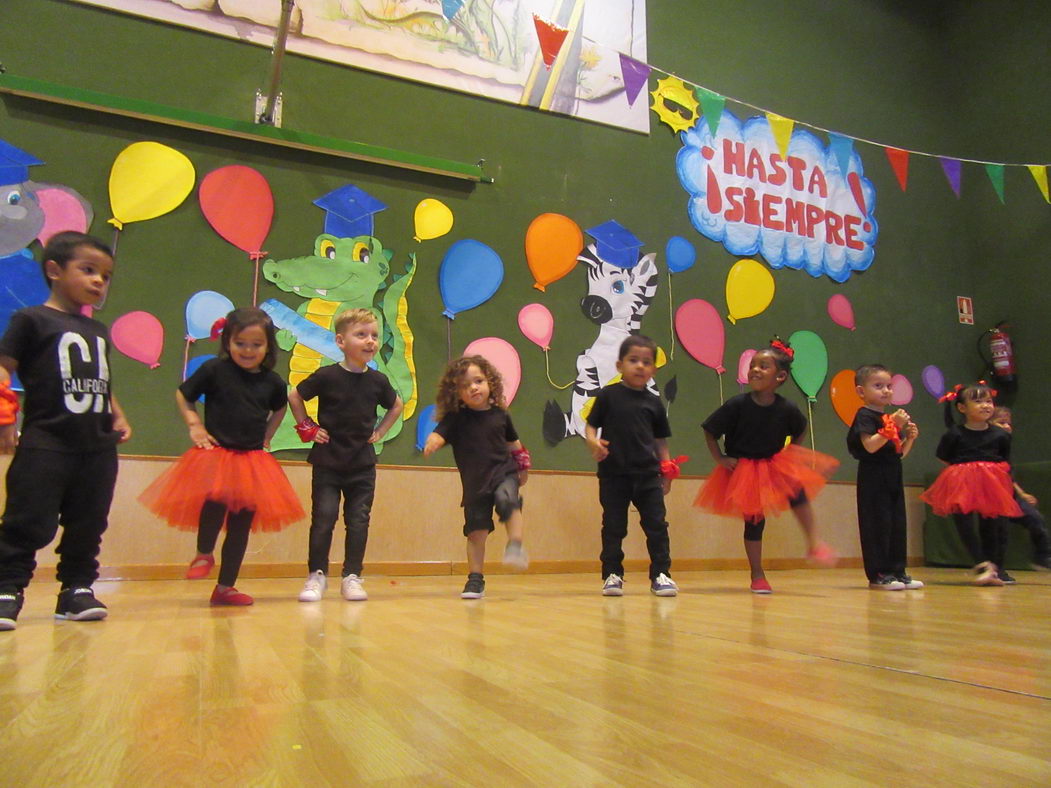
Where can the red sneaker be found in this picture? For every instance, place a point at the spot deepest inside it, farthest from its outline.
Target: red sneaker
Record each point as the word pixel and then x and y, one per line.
pixel 760 586
pixel 200 567
pixel 823 556
pixel 230 596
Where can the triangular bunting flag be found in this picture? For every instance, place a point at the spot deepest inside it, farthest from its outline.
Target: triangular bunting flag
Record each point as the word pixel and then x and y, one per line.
pixel 899 162
pixel 712 108
pixel 781 128
pixel 996 176
pixel 450 7
pixel 843 147
pixel 951 168
pixel 1040 176
pixel 635 75
pixel 551 38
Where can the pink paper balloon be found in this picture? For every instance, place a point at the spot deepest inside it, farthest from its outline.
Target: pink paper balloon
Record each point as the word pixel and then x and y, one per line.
pixel 502 355
pixel 537 324
pixel 701 331
pixel 62 211
pixel 743 364
pixel 841 311
pixel 902 390
pixel 139 336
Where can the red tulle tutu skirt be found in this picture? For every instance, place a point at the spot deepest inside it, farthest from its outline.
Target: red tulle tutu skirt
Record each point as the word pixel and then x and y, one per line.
pixel 758 488
pixel 982 487
pixel 239 479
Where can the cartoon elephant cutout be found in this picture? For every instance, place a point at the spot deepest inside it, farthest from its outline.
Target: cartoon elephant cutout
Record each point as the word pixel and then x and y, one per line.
pixel 30 211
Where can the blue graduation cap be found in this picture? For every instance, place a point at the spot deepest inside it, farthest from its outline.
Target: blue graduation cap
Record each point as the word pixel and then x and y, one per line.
pixel 15 163
pixel 348 211
pixel 616 244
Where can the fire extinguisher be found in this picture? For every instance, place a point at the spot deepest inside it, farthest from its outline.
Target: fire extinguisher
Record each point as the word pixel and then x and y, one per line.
pixel 1003 359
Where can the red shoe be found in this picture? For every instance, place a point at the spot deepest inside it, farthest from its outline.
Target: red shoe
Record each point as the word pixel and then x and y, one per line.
pixel 823 556
pixel 200 567
pixel 760 586
pixel 230 596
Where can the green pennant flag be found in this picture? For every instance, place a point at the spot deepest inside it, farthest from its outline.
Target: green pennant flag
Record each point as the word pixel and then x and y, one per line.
pixel 711 107
pixel 996 176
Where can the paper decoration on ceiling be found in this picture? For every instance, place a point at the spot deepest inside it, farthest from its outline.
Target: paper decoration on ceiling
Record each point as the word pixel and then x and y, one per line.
pixel 749 289
pixel 951 168
pixel 551 38
pixel 635 75
pixel 996 178
pixel 674 103
pixel 1039 173
pixel 841 311
pixel 552 243
pixel 899 162
pixel 502 355
pixel 701 332
pixel 147 180
pixel 450 8
pixel 432 219
pixel 139 336
pixel 844 395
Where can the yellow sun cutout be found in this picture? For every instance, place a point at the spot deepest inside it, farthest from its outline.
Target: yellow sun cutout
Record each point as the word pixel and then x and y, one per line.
pixel 674 103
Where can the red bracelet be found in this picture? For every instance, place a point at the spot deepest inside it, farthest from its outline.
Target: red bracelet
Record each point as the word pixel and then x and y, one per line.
pixel 307 429
pixel 525 462
pixel 8 404
pixel 670 469
pixel 890 431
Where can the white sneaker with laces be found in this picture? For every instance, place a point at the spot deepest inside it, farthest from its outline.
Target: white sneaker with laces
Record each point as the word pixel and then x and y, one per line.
pixel 515 556
pixel 314 587
pixel 613 585
pixel 352 590
pixel 662 585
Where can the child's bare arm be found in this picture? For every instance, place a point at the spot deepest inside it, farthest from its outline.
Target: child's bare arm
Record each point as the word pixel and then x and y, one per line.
pixel 298 406
pixel 433 443
pixel 8 432
pixel 198 434
pixel 388 420
pixel 272 424
pixel 120 421
pixel 717 453
pixel 598 447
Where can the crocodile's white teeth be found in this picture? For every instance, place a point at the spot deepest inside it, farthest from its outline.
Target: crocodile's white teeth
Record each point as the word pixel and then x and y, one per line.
pixel 322 292
pixel 295 289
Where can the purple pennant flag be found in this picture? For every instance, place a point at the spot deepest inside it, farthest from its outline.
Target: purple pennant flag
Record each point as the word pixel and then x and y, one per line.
pixel 951 168
pixel 843 147
pixel 635 76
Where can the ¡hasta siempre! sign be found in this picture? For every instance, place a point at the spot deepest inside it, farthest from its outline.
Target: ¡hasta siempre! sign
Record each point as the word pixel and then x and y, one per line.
pixel 797 211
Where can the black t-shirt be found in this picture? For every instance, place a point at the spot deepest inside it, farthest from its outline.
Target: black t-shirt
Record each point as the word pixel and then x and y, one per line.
pixel 868 422
pixel 347 404
pixel 960 445
pixel 479 439
pixel 237 402
pixel 63 362
pixel 754 431
pixel 632 420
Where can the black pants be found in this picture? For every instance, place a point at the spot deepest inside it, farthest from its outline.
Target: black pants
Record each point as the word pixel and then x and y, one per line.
pixel 46 489
pixel 1033 522
pixel 881 519
pixel 989 544
pixel 238 527
pixel 358 488
pixel 647 494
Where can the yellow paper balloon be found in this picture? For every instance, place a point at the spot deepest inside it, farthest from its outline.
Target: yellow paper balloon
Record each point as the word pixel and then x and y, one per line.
pixel 844 395
pixel 432 219
pixel 148 180
pixel 749 289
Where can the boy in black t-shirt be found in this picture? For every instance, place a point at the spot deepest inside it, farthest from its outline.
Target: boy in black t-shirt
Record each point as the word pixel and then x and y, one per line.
pixel 879 441
pixel 65 466
pixel 343 456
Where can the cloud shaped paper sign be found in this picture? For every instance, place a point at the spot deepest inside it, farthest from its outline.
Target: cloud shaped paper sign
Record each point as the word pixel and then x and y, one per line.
pixel 798 211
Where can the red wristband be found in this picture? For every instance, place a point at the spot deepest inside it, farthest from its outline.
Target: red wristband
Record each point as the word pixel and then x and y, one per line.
pixel 890 431
pixel 8 404
pixel 525 462
pixel 307 429
pixel 670 468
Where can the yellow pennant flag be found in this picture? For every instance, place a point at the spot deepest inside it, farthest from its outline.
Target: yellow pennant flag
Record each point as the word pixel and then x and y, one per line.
pixel 781 128
pixel 1040 176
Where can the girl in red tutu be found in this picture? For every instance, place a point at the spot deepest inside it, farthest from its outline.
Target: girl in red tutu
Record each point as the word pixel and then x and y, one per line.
pixel 228 476
pixel 758 475
pixel 977 479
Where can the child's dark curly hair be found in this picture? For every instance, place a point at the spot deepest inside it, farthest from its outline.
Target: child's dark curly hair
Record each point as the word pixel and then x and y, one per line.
pixel 448 399
pixel 782 353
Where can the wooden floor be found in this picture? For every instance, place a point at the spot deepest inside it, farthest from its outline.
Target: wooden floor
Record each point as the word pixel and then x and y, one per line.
pixel 544 682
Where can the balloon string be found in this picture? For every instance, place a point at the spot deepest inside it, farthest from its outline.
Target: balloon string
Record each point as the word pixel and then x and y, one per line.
pixel 810 415
pixel 547 367
pixel 113 246
pixel 449 339
pixel 671 319
pixel 721 398
pixel 186 356
pixel 255 284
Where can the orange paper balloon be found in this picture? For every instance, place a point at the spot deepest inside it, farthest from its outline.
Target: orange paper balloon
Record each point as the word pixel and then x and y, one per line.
pixel 552 244
pixel 844 395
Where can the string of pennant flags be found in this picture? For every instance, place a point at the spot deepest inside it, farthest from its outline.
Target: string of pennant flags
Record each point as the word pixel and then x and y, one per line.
pixel 636 75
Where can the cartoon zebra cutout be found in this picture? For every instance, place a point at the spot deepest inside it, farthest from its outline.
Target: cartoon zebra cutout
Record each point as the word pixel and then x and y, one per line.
pixel 617 299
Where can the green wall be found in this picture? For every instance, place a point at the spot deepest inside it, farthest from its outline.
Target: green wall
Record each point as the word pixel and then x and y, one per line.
pixel 879 70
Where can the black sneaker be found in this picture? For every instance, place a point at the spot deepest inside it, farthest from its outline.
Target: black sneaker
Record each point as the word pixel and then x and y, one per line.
pixel 79 604
pixel 1008 580
pixel 1042 563
pixel 10 605
pixel 475 587
pixel 886 583
pixel 909 582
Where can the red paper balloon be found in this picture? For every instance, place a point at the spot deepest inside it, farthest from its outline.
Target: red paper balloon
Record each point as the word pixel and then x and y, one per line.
pixel 238 204
pixel 701 331
pixel 139 336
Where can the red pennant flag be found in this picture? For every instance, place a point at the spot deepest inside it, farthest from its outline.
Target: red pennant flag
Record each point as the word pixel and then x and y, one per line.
pixel 899 161
pixel 551 38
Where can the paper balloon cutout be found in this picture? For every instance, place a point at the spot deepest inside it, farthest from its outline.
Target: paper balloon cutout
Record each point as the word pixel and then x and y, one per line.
pixel 432 219
pixel 202 310
pixel 841 311
pixel 701 332
pixel 844 395
pixel 537 324
pixel 743 365
pixel 148 180
pixel 810 364
pixel 902 390
pixel 749 289
pixel 680 254
pixel 502 355
pixel 470 274
pixel 139 336
pixel 195 363
pixel 63 210
pixel 933 381
pixel 552 243
pixel 425 425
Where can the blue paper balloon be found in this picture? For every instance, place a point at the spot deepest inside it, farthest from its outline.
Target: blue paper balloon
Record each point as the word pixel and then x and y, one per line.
pixel 680 254
pixel 425 425
pixel 470 273
pixel 202 310
pixel 22 284
pixel 195 362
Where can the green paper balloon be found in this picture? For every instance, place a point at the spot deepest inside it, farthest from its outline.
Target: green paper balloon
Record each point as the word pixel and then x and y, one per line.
pixel 810 364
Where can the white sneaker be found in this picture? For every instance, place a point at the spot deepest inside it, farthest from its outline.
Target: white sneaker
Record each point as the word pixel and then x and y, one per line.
pixel 352 590
pixel 515 556
pixel 314 587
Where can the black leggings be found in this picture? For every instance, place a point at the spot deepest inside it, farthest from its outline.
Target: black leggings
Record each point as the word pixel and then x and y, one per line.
pixel 238 527
pixel 753 530
pixel 989 543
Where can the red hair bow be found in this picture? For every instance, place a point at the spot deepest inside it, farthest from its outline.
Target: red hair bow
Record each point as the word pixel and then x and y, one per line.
pixel 777 344
pixel 952 394
pixel 217 328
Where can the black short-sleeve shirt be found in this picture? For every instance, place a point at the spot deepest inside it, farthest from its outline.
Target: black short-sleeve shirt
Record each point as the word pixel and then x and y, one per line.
pixel 237 402
pixel 632 420
pixel 868 421
pixel 479 439
pixel 347 404
pixel 960 445
pixel 755 431
pixel 63 362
